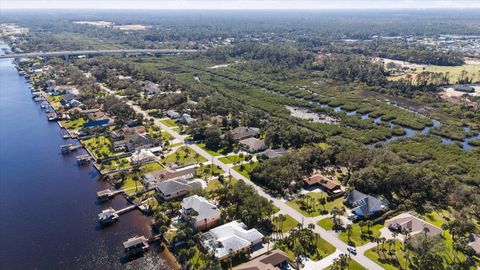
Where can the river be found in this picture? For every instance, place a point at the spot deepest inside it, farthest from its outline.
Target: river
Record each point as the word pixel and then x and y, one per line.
pixel 48 208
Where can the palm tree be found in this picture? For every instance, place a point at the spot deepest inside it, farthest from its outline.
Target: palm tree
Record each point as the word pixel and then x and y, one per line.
pixel 369 224
pixel 394 234
pixel 349 231
pixel 266 240
pixel 230 255
pixel 282 219
pixel 341 262
pixel 361 224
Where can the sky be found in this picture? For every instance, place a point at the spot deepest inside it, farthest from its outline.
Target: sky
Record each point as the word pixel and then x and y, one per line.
pixel 238 4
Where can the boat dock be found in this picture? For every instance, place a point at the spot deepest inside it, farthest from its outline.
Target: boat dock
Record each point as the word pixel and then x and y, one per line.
pixel 108 193
pixel 83 160
pixel 67 148
pixel 110 215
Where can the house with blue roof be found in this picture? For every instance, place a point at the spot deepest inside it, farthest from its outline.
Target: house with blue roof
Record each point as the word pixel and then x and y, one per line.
pixel 363 205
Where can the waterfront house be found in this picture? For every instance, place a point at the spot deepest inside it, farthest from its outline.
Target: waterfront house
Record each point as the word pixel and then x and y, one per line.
pixel 57 90
pixel 173 114
pixel 407 221
pixel 363 205
pixel 204 213
pixel 173 189
pixel 275 260
pixel 185 173
pixel 66 99
pixel 241 133
pixel 97 123
pixel 253 145
pixel 231 237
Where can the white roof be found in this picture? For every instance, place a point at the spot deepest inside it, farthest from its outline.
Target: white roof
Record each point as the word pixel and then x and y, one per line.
pixel 202 206
pixel 233 236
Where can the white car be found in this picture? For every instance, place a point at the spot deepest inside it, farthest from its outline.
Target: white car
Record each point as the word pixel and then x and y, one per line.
pixel 352 250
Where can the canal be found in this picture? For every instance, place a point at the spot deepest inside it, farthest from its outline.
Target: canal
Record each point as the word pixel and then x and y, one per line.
pixel 48 208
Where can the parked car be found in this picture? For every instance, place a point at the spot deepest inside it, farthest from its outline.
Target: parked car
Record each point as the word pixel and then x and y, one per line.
pixel 352 250
pixel 352 217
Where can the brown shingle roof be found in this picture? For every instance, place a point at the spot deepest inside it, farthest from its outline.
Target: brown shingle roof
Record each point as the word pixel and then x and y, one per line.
pixel 265 262
pixel 314 179
pixel 330 185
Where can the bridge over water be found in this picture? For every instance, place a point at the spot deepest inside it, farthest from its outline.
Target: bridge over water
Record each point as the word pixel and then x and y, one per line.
pixel 123 52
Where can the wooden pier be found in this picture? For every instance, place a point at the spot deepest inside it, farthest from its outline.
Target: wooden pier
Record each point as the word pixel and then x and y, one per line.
pixel 67 148
pixel 111 215
pixel 83 160
pixel 108 193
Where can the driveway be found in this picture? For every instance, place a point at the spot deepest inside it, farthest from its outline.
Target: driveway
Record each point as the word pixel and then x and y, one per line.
pixel 327 236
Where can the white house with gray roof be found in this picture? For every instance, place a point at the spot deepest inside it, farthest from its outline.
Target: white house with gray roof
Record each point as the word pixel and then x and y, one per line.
pixel 233 236
pixel 172 189
pixel 204 213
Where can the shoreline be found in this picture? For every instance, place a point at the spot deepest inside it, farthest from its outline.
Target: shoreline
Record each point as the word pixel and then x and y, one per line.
pixel 162 251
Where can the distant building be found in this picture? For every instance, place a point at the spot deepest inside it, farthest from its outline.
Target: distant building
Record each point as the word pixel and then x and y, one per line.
pixel 275 260
pixel 186 119
pixel 272 153
pixel 62 89
pixel 241 133
pixel 364 205
pixel 464 88
pixel 253 145
pixel 150 88
pixel 173 114
pixel 233 237
pixel 97 123
pixel 475 243
pixel 67 99
pixel 205 214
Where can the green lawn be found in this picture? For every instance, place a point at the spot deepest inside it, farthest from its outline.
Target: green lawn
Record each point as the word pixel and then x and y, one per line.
pixel 386 260
pixel 169 122
pixel 357 237
pixel 100 147
pixel 314 207
pixel 326 223
pixel 323 247
pixel 233 158
pixel 73 124
pixel 438 218
pixel 220 152
pixel 208 170
pixel 453 71
pixel 130 185
pixel 245 169
pixel 353 265
pixel 186 156
pixel 151 167
pixel 115 165
pixel 287 225
pixel 54 101
pixel 213 185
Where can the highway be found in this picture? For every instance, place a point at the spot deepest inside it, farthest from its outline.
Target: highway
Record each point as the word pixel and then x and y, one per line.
pixel 95 52
pixel 280 203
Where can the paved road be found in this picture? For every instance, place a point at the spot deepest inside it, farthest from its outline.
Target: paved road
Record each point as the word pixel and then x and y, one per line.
pixel 286 209
pixel 96 52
